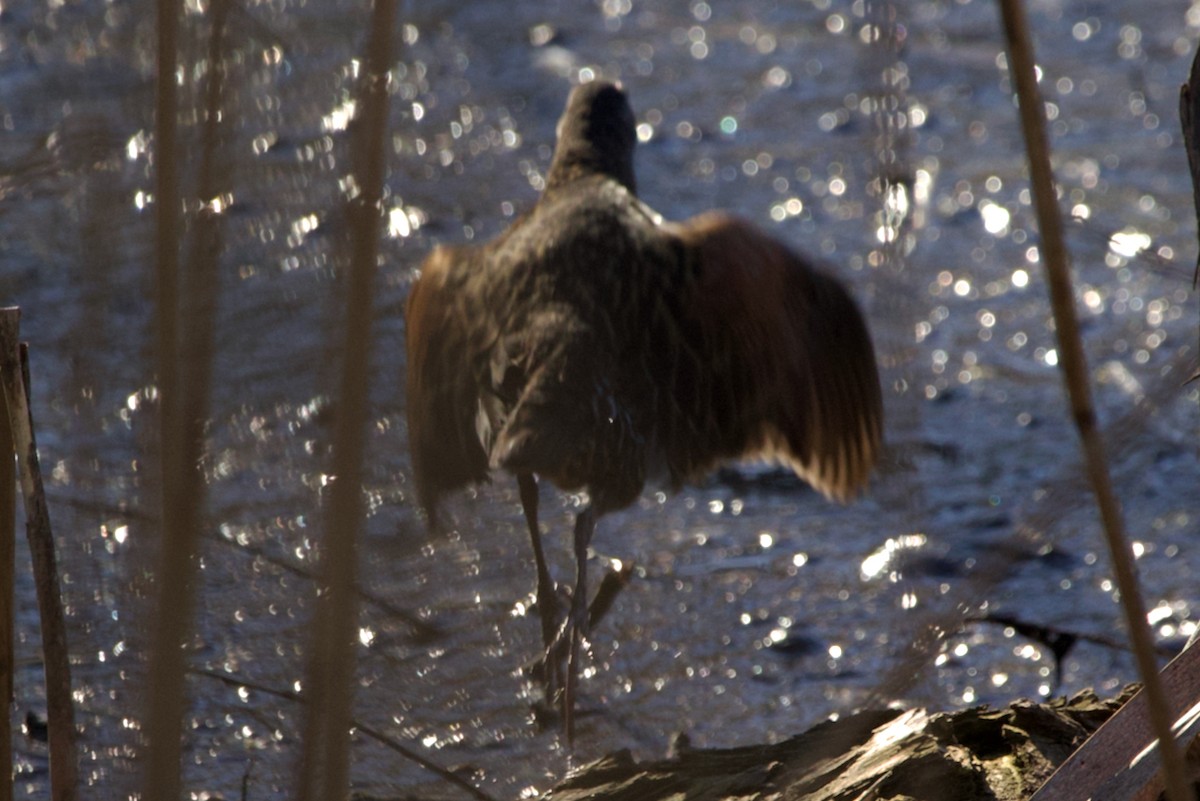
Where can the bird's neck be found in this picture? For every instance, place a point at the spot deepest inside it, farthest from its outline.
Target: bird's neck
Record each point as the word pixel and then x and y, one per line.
pixel 569 167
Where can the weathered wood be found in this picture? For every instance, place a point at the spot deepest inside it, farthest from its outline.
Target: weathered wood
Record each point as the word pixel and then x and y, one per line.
pixel 979 754
pixel 60 709
pixel 1102 766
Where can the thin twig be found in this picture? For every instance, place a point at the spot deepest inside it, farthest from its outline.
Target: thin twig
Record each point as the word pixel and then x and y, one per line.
pixel 422 630
pixel 370 731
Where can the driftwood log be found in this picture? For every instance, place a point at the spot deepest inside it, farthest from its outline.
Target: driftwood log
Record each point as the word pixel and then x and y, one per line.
pixel 979 753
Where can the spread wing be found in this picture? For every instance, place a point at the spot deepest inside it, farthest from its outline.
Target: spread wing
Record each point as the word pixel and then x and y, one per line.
pixel 776 363
pixel 442 396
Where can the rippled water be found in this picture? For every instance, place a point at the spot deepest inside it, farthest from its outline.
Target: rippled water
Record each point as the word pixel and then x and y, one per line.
pixel 757 609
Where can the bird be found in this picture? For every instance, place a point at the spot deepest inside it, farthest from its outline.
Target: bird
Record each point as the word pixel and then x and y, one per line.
pixel 597 346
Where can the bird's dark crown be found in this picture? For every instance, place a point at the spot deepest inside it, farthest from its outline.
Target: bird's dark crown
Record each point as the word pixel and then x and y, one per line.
pixel 596 134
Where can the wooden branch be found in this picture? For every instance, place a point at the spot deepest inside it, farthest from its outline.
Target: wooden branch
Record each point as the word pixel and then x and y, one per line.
pixel 60 709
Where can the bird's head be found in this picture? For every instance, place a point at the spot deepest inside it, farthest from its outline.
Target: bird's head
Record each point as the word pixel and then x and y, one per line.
pixel 596 134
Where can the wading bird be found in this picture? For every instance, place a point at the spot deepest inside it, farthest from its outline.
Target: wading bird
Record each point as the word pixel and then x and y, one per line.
pixel 597 346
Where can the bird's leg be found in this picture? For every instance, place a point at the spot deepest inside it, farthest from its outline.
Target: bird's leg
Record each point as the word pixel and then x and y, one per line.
pixel 577 621
pixel 547 602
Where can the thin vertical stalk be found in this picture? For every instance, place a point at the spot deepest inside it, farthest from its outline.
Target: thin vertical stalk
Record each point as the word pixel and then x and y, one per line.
pixel 186 335
pixel 166 701
pixel 1075 374
pixel 166 219
pixel 60 711
pixel 201 273
pixel 8 542
pixel 1189 120
pixel 326 769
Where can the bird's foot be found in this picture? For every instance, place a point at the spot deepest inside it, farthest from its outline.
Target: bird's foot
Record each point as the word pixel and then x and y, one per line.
pixel 549 604
pixel 546 669
pixel 557 669
pixel 574 634
pixel 549 668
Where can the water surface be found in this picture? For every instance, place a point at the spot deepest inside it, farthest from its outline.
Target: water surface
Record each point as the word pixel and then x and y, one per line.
pixel 757 609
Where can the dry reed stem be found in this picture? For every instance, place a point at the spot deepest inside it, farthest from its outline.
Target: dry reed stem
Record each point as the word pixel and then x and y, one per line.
pixel 200 278
pixel 325 768
pixel 185 338
pixel 60 710
pixel 8 542
pixel 1075 375
pixel 166 701
pixel 1189 115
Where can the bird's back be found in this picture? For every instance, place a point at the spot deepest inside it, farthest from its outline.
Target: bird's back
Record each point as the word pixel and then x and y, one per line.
pixel 516 348
pixel 591 245
pixel 567 390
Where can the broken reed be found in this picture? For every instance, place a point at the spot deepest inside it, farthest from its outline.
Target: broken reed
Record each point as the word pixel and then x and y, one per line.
pixel 60 708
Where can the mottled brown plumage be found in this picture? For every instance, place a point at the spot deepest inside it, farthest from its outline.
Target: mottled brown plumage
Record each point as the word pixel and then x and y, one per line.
pixel 596 346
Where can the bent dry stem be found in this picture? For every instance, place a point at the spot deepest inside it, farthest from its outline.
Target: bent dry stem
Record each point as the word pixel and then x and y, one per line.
pixel 1075 375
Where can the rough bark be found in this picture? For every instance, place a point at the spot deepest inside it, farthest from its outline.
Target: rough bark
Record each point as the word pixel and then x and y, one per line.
pixel 979 753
